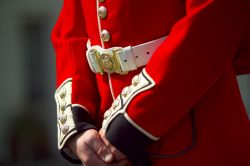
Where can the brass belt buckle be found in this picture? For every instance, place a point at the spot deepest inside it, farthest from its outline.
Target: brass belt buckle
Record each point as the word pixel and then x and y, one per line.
pixel 107 61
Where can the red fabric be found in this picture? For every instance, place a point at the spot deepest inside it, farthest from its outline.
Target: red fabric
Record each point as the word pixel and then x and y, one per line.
pixel 242 59
pixel 193 70
pixel 69 38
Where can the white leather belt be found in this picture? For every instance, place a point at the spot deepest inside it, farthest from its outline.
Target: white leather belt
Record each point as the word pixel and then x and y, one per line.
pixel 121 59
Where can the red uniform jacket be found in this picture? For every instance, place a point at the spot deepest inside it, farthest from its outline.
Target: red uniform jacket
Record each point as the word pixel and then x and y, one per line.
pixel 186 108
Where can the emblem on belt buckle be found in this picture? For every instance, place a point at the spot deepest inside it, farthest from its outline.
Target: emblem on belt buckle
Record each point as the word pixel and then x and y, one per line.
pixel 108 61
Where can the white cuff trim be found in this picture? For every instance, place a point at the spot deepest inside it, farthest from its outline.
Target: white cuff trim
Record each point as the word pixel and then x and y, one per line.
pixel 140 83
pixel 140 129
pixel 65 122
pixel 81 106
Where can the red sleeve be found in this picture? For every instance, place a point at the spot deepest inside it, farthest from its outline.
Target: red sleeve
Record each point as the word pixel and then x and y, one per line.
pixel 76 95
pixel 199 48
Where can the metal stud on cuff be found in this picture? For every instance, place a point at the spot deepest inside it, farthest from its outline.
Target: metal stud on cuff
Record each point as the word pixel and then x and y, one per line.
pixel 136 80
pixel 115 104
pixel 63 119
pixel 65 129
pixel 126 91
pixel 63 93
pixel 107 114
pixel 63 106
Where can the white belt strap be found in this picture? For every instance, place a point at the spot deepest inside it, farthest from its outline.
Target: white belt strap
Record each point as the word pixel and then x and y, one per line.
pixel 121 59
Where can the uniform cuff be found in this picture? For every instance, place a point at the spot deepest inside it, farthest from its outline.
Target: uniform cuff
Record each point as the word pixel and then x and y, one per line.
pixel 129 140
pixel 83 122
pixel 122 131
pixel 72 119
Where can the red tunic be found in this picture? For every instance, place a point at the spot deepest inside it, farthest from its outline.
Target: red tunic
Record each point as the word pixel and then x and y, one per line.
pixel 194 70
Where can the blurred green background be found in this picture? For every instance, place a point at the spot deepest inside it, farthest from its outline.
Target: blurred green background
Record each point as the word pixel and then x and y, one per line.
pixel 28 134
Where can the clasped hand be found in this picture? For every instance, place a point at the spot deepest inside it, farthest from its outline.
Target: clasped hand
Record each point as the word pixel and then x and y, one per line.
pixel 93 149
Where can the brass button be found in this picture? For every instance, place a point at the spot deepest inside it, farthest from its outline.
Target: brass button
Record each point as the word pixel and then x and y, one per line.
pixel 65 129
pixel 105 35
pixel 135 80
pixel 101 0
pixel 63 119
pixel 102 12
pixel 126 91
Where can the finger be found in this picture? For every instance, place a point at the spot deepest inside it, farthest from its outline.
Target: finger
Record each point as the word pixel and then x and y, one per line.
pixel 89 157
pixel 97 145
pixel 105 154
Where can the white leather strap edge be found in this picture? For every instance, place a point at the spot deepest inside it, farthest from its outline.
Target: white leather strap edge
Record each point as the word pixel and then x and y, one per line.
pixel 142 53
pixel 127 59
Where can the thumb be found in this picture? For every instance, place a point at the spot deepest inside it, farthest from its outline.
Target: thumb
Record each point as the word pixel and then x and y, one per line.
pixel 105 154
pixel 101 149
